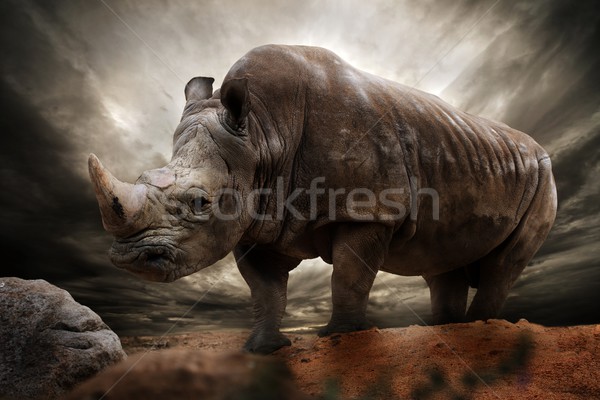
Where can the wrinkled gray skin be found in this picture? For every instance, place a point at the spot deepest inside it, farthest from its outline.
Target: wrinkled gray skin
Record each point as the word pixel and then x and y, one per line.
pixel 300 113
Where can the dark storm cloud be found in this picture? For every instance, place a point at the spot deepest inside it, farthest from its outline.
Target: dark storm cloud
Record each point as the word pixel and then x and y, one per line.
pixel 48 61
pixel 539 75
pixel 75 79
pixel 42 200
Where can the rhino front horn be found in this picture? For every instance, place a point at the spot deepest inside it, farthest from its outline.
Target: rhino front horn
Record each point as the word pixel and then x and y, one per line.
pixel 121 204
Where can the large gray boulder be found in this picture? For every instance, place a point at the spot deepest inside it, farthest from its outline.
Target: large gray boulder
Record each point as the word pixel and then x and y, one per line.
pixel 48 341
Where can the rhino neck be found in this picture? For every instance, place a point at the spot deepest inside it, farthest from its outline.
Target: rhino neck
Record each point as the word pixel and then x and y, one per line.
pixel 278 142
pixel 279 112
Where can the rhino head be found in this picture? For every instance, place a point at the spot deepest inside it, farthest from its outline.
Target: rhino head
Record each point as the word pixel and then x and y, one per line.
pixel 187 215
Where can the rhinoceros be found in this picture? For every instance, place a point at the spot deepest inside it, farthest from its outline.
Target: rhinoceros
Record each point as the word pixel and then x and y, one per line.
pixel 299 155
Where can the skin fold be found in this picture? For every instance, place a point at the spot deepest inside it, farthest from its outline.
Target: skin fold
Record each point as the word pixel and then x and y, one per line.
pixel 458 199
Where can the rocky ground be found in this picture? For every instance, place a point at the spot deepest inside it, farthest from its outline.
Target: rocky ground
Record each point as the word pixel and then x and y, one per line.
pixel 480 360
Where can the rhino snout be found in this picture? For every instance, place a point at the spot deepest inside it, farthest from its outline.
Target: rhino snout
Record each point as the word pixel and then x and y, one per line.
pixel 156 262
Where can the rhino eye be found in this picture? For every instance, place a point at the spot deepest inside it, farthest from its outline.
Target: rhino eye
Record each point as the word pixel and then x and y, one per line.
pixel 197 200
pixel 199 204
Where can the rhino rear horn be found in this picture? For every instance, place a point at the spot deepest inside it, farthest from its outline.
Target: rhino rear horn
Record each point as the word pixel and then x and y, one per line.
pixel 121 204
pixel 199 88
pixel 236 99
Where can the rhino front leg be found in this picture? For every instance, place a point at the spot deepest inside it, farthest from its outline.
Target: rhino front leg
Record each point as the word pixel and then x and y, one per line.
pixel 266 273
pixel 358 252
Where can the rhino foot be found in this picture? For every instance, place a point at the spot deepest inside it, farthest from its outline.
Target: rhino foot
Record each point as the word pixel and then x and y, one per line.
pixel 346 327
pixel 266 343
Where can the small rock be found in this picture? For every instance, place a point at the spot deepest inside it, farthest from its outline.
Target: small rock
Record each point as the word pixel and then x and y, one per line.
pixel 48 342
pixel 160 344
pixel 500 322
pixel 187 374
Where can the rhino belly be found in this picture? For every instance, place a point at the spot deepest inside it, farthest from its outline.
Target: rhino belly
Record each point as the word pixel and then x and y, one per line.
pixel 438 248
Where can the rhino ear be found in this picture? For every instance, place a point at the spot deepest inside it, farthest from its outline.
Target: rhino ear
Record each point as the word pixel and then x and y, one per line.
pixel 236 99
pixel 199 88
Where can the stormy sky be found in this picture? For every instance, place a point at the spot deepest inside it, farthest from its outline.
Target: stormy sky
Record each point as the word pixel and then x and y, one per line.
pixel 107 76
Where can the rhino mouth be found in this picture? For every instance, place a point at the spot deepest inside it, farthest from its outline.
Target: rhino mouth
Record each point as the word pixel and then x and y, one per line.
pixel 151 261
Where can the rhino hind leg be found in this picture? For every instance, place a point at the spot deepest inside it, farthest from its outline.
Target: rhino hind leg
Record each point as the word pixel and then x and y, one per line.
pixel 497 275
pixel 448 296
pixel 266 273
pixel 499 270
pixel 357 254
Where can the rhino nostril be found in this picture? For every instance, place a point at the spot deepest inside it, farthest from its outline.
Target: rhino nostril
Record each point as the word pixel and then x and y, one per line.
pixel 156 255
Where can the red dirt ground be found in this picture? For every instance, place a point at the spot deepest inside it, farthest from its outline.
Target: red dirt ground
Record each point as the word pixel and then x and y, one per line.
pixel 491 360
